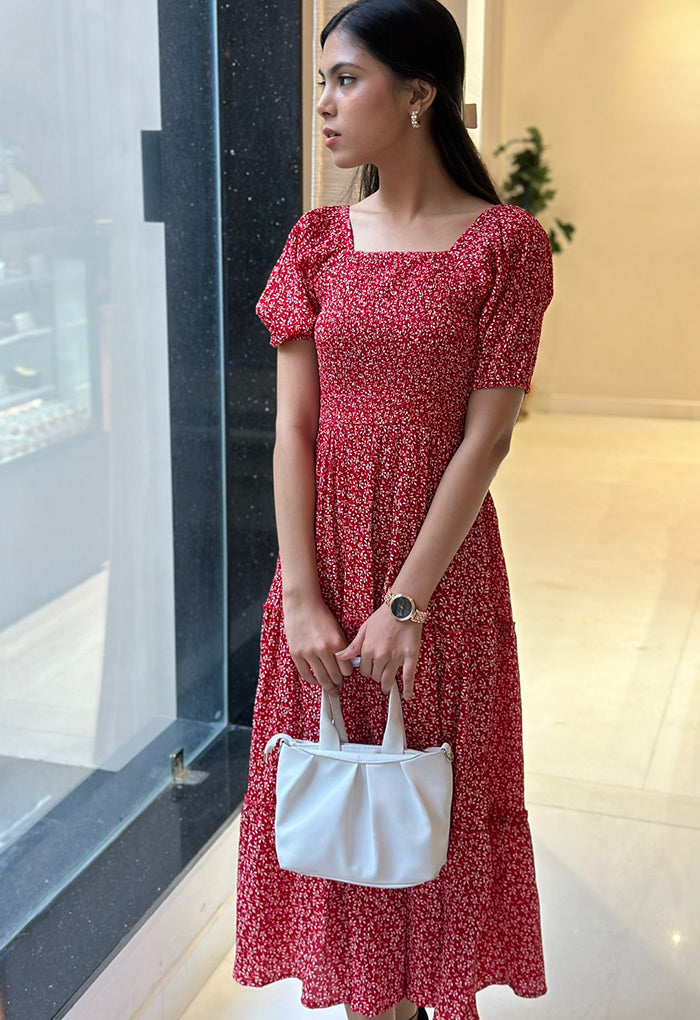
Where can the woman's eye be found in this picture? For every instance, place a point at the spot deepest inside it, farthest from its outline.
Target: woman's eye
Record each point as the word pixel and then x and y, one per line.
pixel 340 77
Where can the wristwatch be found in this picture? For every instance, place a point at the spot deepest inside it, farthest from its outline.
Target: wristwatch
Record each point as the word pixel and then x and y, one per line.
pixel 404 608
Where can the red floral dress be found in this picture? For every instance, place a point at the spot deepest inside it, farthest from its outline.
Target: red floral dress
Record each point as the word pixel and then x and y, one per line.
pixel 402 338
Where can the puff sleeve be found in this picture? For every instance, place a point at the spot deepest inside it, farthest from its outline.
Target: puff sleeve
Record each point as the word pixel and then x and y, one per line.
pixel 510 322
pixel 287 305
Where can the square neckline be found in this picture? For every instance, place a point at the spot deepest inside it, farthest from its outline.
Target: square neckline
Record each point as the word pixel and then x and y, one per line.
pixel 350 237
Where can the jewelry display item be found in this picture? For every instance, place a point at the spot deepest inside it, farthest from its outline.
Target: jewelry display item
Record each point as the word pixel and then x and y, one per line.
pixel 414 119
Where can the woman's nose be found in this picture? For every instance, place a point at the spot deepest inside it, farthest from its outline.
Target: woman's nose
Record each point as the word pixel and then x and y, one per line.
pixel 321 104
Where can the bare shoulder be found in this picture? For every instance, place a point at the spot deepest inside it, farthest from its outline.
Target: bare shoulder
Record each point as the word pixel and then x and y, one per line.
pixel 475 206
pixel 368 204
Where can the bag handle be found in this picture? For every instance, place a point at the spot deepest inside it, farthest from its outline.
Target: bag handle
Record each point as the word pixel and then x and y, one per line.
pixel 332 725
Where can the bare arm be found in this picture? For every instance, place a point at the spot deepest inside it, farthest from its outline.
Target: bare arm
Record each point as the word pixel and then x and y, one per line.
pixel 385 643
pixel 491 416
pixel 294 468
pixel 312 631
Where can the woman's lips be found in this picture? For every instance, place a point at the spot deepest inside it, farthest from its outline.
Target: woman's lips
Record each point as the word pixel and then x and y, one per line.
pixel 331 139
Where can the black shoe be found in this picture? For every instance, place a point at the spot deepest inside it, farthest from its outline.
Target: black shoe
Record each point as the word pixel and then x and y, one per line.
pixel 420 1014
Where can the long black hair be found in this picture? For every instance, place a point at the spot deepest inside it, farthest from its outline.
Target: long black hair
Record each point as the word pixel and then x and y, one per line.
pixel 420 39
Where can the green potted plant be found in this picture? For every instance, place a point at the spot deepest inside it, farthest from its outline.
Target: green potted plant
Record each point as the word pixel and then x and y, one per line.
pixel 527 185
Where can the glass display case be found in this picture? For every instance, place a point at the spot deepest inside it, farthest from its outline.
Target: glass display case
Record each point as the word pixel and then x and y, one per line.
pixel 53 442
pixel 49 387
pixel 114 625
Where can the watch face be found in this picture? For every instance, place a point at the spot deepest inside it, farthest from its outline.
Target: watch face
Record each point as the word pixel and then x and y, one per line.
pixel 401 607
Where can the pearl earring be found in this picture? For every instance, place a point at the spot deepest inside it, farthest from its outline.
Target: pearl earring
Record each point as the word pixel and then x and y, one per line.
pixel 414 119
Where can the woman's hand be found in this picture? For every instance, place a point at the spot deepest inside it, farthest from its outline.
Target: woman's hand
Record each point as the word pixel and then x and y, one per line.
pixel 384 644
pixel 314 635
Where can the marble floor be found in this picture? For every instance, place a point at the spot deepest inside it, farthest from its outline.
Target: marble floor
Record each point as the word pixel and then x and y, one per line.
pixel 600 522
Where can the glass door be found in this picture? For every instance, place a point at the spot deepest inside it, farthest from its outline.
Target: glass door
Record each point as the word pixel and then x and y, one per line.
pixel 112 646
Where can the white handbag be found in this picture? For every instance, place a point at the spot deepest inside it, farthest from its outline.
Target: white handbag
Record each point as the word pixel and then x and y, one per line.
pixel 362 813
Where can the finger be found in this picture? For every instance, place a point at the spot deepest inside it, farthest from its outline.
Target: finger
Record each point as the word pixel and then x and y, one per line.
pixel 303 669
pixel 366 662
pixel 408 677
pixel 383 676
pixel 355 646
pixel 356 641
pixel 326 681
pixel 328 686
pixel 345 666
pixel 335 668
pixel 387 675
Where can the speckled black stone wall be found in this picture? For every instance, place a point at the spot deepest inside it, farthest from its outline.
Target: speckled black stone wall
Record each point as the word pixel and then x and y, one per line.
pixel 261 143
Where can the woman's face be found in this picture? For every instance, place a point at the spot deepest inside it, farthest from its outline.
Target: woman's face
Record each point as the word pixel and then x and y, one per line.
pixel 359 100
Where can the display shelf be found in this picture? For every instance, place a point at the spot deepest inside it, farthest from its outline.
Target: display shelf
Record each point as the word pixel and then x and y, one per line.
pixel 11 399
pixel 21 281
pixel 49 346
pixel 24 335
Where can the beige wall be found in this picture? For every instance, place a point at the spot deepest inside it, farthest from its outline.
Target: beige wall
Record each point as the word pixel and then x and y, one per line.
pixel 614 86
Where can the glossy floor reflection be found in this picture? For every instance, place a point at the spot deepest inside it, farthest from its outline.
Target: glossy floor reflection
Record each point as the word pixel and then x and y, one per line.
pixel 600 521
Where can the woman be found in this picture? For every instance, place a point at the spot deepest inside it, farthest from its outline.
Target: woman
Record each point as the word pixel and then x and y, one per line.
pixel 415 314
